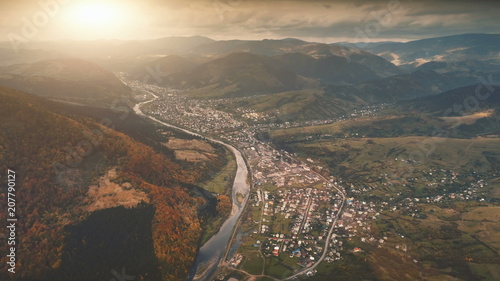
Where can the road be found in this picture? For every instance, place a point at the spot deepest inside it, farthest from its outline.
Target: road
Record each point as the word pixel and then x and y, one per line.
pixel 327 243
pixel 306 214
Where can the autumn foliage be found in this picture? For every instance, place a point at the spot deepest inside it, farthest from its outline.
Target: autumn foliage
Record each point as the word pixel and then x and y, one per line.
pixel 224 205
pixel 33 138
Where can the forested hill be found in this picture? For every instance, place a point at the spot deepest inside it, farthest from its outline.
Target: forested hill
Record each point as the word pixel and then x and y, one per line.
pixel 91 200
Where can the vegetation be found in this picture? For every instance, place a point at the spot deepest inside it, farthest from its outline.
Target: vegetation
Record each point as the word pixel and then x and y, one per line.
pixel 397 156
pixel 69 80
pixel 57 157
pixel 224 205
pixel 297 106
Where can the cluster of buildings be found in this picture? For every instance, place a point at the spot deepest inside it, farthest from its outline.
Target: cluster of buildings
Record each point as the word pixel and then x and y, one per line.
pixel 279 168
pixel 433 185
pixel 235 260
pixel 199 116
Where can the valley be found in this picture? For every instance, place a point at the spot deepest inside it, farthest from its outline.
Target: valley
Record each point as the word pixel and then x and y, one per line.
pixel 323 197
pixel 189 158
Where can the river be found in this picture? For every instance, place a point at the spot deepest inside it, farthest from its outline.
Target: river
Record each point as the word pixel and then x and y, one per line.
pixel 211 253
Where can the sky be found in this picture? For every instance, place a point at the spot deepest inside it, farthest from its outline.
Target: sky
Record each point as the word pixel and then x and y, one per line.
pixel 311 20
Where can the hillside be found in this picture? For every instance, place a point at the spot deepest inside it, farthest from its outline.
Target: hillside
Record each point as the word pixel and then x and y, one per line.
pixel 296 106
pixel 462 66
pixel 404 86
pixel 329 70
pixel 480 97
pixel 289 46
pixel 92 200
pixel 70 80
pixel 419 89
pixel 482 47
pixel 155 71
pixel 237 75
pixel 445 114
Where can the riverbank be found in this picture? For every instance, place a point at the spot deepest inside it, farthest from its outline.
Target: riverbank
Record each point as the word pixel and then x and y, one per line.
pixel 212 252
pixel 220 184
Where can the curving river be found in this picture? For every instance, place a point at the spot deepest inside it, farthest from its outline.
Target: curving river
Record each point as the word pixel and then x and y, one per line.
pixel 211 253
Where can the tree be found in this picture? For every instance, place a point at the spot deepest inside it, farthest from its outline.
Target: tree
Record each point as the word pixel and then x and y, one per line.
pixel 224 205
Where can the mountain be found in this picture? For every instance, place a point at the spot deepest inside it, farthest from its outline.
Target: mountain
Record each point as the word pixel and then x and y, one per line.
pixel 403 87
pixel 337 100
pixel 459 66
pixel 285 46
pixel 459 101
pixel 92 200
pixel 264 47
pixel 482 47
pixel 70 80
pixel 362 45
pixel 329 70
pixel 9 56
pixel 246 73
pixel 158 69
pixel 238 75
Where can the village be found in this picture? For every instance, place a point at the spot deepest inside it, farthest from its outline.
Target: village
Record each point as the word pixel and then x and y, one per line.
pixel 292 206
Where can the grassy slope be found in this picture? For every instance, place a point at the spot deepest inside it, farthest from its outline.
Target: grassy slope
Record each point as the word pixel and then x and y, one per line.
pixel 298 105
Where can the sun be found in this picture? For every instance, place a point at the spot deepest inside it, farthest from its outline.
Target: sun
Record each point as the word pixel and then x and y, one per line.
pixel 95 19
pixel 95 14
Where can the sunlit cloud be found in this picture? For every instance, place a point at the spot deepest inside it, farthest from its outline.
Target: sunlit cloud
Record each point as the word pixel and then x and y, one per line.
pixel 257 19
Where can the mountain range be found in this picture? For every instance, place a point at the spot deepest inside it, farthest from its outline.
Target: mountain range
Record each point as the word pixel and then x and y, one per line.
pixel 456 48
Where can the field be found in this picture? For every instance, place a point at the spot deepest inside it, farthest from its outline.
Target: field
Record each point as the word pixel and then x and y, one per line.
pixel 369 126
pixel 221 182
pixel 484 224
pixel 191 150
pixel 253 263
pixel 372 156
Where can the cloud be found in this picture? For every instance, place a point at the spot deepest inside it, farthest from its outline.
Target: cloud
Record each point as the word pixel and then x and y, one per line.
pixel 314 19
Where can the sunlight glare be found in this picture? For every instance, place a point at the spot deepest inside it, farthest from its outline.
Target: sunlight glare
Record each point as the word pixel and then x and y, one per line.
pixel 96 19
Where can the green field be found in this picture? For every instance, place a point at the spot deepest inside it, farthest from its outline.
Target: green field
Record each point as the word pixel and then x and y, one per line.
pixel 275 268
pixel 297 105
pixel 221 182
pixel 484 224
pixel 253 263
pixel 370 126
pixel 361 157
